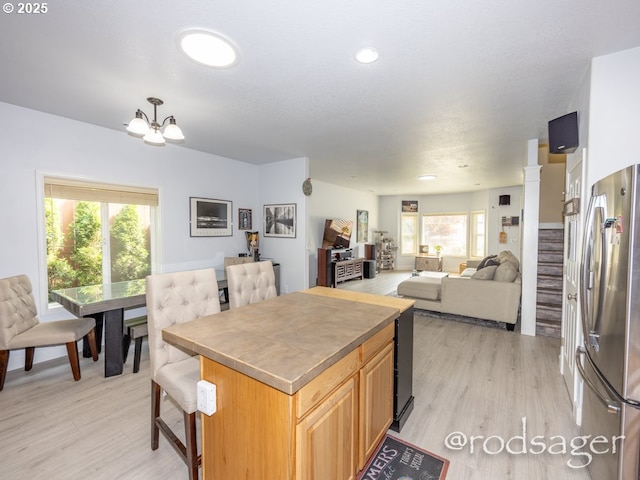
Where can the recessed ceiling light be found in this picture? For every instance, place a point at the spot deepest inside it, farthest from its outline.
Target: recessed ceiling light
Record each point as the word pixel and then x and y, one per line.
pixel 427 177
pixel 367 55
pixel 208 48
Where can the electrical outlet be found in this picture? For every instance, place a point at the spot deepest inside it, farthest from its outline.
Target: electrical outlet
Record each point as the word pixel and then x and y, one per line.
pixel 206 397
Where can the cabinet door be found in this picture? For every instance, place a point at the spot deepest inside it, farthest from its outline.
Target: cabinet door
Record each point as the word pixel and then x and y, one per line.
pixel 326 437
pixel 376 402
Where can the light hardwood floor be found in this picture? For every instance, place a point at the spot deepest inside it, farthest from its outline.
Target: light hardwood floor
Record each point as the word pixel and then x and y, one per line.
pixel 476 380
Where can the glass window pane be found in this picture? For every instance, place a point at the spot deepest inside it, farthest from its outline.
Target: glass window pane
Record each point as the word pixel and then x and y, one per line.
pixel 129 240
pixel 91 241
pixel 409 234
pixel 447 231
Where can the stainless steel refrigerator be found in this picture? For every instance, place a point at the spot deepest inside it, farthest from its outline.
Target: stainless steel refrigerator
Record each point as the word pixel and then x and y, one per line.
pixel 609 361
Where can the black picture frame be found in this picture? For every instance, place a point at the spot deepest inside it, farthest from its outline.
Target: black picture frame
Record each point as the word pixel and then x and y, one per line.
pixel 280 220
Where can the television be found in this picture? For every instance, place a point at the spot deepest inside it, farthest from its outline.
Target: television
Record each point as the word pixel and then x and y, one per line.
pixel 337 233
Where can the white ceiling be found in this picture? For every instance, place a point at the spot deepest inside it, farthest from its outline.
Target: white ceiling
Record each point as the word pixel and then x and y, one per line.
pixel 457 82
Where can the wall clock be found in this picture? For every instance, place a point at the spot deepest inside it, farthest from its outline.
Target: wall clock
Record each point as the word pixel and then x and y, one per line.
pixel 306 187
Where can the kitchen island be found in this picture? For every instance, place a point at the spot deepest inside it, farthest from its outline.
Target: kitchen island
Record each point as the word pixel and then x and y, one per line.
pixel 304 386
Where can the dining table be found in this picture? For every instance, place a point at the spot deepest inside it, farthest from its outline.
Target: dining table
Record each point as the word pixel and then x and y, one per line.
pixel 106 303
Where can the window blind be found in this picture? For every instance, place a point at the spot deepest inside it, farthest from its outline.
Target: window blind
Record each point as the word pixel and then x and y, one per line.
pixel 70 189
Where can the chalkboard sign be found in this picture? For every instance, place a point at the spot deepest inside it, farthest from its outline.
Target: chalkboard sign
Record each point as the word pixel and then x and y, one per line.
pixel 398 460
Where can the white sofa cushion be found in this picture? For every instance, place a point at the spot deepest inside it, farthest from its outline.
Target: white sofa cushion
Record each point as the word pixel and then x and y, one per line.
pixel 485 273
pixel 506 272
pixel 421 287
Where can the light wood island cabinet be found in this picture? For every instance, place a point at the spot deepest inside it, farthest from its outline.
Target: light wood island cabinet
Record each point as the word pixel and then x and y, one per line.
pixel 304 386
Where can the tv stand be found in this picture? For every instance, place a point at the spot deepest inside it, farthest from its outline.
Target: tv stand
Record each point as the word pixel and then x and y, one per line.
pixel 332 270
pixel 348 269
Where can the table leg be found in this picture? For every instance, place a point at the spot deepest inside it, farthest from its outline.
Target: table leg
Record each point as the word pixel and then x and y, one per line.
pixel 86 352
pixel 113 355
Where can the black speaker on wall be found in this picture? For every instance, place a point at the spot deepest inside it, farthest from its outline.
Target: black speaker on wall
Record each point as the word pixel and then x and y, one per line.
pixel 504 200
pixel 563 134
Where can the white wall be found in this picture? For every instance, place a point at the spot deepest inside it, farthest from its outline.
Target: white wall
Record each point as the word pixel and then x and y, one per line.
pixel 613 116
pixel 34 143
pixel 281 182
pixel 391 209
pixel 331 201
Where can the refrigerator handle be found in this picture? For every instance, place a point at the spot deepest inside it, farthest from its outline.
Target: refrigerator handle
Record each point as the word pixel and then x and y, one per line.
pixel 586 276
pixel 611 407
pixel 580 352
pixel 595 333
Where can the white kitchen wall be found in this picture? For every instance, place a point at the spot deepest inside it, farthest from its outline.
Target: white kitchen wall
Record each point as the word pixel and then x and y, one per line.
pixel 613 117
pixel 33 143
pixel 279 183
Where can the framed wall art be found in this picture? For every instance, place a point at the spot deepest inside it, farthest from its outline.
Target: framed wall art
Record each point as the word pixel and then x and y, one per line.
pixel 280 220
pixel 410 206
pixel 210 217
pixel 363 226
pixel 244 219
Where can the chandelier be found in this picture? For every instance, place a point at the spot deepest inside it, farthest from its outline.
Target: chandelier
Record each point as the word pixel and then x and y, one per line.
pixel 150 132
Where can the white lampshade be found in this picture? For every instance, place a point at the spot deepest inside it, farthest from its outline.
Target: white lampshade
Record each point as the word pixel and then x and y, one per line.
pixel 154 137
pixel 138 126
pixel 173 131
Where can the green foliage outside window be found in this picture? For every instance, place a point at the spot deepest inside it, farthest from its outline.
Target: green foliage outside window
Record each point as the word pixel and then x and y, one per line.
pixel 129 253
pixel 74 250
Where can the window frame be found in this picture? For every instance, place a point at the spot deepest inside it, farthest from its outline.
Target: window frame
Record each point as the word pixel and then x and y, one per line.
pixel 41 179
pixel 473 233
pixel 416 235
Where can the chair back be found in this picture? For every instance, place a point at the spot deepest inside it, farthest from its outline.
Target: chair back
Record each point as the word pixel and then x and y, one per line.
pixel 176 298
pixel 228 261
pixel 18 311
pixel 250 283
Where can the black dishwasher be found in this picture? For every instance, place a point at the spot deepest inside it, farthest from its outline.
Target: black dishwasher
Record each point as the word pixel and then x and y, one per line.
pixel 403 370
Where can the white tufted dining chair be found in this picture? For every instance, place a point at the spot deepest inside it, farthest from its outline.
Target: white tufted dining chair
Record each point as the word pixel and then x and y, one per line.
pixel 20 327
pixel 176 298
pixel 250 283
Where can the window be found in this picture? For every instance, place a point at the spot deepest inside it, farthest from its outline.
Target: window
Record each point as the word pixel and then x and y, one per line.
pixel 97 233
pixel 449 231
pixel 409 234
pixel 478 234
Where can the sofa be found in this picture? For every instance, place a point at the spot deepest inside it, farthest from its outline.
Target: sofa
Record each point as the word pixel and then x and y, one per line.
pixel 491 291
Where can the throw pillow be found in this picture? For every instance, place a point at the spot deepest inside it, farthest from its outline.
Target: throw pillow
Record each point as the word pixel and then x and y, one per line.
pixel 483 262
pixel 505 272
pixel 507 256
pixel 486 273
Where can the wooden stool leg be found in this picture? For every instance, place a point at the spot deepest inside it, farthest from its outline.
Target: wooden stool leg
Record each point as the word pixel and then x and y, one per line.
pixel 4 363
pixel 74 360
pixel 192 446
pixel 155 414
pixel 28 358
pixel 93 344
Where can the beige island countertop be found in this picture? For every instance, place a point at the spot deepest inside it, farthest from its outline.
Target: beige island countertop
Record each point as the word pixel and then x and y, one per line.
pixel 284 342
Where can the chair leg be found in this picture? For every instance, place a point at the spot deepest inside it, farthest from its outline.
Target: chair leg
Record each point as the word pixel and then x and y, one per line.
pixel 136 355
pixel 28 358
pixel 4 363
pixel 74 360
pixel 191 454
pixel 155 414
pixel 93 344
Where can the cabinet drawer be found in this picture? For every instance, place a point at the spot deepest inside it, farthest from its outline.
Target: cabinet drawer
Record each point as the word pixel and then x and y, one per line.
pixel 375 343
pixel 314 391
